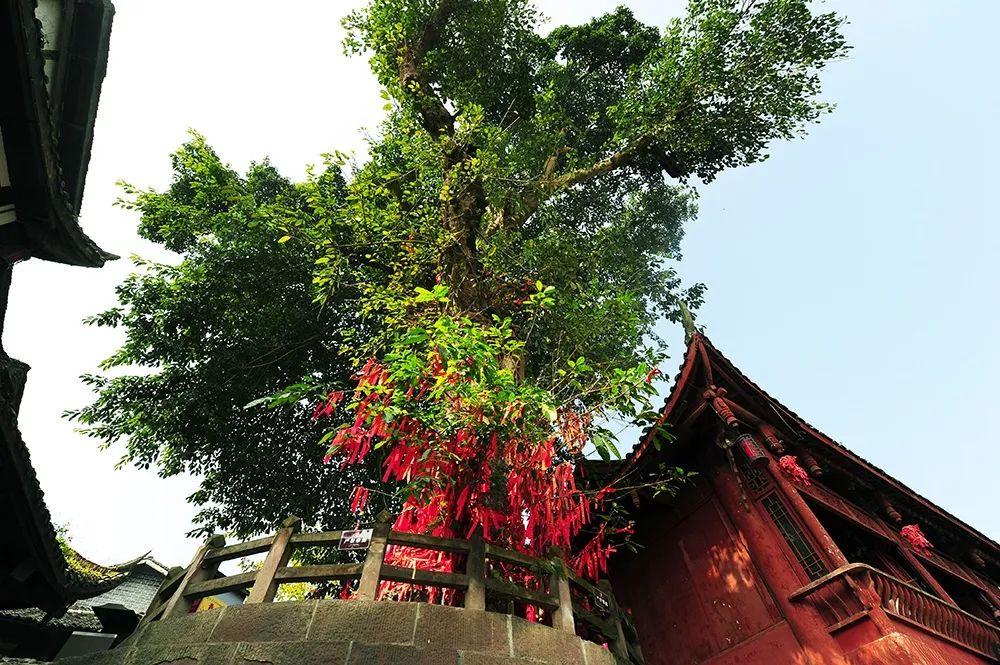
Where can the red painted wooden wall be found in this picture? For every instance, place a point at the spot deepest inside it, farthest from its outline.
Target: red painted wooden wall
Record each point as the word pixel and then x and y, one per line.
pixel 693 590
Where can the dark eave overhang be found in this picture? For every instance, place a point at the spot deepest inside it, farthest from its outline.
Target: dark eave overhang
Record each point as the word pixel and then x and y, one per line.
pixel 48 146
pixel 37 571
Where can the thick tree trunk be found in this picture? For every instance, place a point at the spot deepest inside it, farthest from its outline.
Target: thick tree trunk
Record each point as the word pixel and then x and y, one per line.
pixel 462 215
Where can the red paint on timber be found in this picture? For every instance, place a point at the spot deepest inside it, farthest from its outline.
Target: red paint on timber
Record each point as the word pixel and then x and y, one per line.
pixel 704 359
pixel 690 361
pixel 779 569
pixel 772 646
pixel 908 647
pixel 830 551
pixel 701 352
pixel 693 590
pixel 711 586
pixel 713 581
pixel 856 635
pixel 722 408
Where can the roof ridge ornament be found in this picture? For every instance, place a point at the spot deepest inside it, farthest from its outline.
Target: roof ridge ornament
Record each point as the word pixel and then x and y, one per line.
pixel 687 321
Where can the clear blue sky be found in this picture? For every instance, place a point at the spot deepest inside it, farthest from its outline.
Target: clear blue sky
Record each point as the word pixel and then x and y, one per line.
pixel 853 275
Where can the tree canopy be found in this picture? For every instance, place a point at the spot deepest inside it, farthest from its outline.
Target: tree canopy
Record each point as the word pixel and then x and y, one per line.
pixel 233 319
pixel 490 275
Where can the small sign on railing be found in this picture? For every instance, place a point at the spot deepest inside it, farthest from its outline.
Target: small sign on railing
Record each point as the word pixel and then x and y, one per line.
pixel 357 539
pixel 601 602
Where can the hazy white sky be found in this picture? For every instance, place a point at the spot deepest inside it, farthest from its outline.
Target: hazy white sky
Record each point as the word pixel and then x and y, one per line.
pixel 853 275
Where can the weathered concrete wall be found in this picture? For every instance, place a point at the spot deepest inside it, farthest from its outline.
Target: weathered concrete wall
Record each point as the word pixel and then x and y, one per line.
pixel 334 632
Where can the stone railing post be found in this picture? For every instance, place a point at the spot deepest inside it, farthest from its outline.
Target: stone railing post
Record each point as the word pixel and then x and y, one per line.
pixel 198 571
pixel 475 571
pixel 371 572
pixel 264 586
pixel 619 645
pixel 562 617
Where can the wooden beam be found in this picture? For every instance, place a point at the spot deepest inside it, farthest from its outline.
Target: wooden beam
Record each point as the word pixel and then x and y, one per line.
pixel 198 571
pixel 510 556
pixel 832 554
pixel 520 593
pixel 239 550
pixel 475 571
pixel 562 617
pixel 374 560
pixel 926 575
pixel 425 577
pixel 220 585
pixel 319 573
pixel 266 586
pixel 428 542
pixel 320 539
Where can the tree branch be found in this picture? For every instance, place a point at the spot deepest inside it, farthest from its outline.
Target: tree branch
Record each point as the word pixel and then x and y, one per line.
pixel 547 185
pixel 434 115
pixel 621 158
pixel 538 192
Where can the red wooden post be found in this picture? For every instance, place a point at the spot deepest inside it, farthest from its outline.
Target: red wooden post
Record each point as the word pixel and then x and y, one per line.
pixel 834 557
pixel 762 547
pixel 265 587
pixel 864 586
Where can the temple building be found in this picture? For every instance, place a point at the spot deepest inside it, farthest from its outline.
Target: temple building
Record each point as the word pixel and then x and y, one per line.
pixel 53 55
pixel 787 547
pixel 109 609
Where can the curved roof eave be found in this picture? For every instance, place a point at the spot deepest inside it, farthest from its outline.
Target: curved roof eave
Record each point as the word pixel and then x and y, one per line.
pixel 700 344
pixel 47 209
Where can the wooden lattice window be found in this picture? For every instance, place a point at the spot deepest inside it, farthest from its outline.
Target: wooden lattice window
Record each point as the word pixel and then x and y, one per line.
pixel 756 479
pixel 807 557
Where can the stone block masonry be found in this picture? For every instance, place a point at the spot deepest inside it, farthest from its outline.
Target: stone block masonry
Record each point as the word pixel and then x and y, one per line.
pixel 336 632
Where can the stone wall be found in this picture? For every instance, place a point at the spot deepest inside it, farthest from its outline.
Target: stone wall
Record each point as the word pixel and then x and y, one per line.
pixel 334 632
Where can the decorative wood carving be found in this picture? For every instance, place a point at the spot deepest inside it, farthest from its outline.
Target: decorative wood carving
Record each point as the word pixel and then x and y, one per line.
pixel 812 466
pixel 889 509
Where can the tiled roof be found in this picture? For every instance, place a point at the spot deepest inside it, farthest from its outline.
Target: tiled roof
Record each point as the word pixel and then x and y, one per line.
pixel 83 577
pixel 71 576
pixel 48 194
pixel 74 619
pixel 87 574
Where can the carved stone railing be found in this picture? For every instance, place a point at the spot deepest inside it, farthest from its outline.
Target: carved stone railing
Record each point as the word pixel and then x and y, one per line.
pixel 847 594
pixel 574 604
